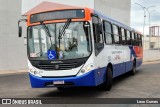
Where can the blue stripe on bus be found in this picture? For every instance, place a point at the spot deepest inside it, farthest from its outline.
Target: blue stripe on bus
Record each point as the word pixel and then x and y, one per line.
pixel 121 68
pixel 92 78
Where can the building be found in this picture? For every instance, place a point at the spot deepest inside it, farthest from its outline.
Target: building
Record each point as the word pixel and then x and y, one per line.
pixel 13 53
pixel 155 42
pixel 154 30
pixel 152 41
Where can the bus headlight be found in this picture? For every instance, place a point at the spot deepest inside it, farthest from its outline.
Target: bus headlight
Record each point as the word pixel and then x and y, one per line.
pixel 86 69
pixel 31 71
pixel 35 72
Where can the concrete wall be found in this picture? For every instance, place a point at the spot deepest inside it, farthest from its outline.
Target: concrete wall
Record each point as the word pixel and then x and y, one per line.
pixel 12 50
pixel 119 10
pixel 151 55
pixel 145 43
pixel 155 42
pixel 151 42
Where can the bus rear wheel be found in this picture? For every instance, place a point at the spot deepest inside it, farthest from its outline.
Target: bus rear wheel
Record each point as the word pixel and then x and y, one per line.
pixel 107 85
pixel 133 71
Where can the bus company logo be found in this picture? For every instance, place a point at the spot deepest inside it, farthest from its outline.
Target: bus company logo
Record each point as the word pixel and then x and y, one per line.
pixel 56 66
pixel 6 101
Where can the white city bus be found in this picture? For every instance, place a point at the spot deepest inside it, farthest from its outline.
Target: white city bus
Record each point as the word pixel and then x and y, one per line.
pixel 79 47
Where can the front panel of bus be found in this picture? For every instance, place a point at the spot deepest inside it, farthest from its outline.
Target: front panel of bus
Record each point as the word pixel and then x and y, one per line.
pixel 60 52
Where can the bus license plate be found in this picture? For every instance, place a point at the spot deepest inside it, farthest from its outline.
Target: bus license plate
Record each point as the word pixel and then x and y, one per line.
pixel 58 82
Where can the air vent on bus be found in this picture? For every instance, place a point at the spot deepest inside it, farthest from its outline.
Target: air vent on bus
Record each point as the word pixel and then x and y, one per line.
pixel 64 66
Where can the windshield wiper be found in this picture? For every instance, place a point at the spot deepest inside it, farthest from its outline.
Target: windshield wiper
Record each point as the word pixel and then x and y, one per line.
pixel 47 31
pixel 62 32
pixel 66 25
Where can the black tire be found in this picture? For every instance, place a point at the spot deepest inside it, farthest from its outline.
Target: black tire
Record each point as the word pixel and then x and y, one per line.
pixel 107 85
pixel 60 88
pixel 133 71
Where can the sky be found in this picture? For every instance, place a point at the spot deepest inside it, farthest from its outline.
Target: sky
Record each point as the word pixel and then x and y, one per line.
pixel 137 14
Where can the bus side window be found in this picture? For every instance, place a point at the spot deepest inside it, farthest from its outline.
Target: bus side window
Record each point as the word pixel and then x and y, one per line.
pixel 108 33
pixel 133 37
pixel 128 37
pixel 98 37
pixel 123 36
pixel 116 34
pixel 135 40
pixel 140 40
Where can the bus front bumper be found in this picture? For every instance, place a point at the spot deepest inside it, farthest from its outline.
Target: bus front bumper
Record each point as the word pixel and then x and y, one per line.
pixel 92 78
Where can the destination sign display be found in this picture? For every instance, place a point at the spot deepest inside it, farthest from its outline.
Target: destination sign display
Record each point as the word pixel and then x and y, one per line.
pixel 57 15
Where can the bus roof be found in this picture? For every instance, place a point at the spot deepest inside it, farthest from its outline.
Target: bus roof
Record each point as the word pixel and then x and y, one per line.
pixel 49 6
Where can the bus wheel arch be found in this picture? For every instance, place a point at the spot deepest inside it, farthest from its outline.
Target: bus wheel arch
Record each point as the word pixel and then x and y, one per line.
pixel 107 85
pixel 110 66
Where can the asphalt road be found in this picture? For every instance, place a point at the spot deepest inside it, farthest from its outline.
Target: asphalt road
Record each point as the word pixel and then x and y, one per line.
pixel 145 84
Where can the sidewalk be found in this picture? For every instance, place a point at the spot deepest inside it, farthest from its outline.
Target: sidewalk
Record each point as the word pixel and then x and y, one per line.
pixel 151 62
pixel 6 72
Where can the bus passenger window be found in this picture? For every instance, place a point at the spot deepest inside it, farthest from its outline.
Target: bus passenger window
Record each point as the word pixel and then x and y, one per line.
pixel 98 37
pixel 128 38
pixel 116 34
pixel 140 40
pixel 135 40
pixel 132 37
pixel 108 33
pixel 123 36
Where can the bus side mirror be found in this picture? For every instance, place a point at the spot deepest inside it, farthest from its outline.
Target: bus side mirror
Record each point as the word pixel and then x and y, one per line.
pixel 20 31
pixel 20 27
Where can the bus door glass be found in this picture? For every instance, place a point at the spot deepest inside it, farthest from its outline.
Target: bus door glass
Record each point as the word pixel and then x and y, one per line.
pixel 98 37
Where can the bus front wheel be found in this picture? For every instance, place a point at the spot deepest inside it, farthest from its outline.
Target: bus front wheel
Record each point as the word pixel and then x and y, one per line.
pixel 107 85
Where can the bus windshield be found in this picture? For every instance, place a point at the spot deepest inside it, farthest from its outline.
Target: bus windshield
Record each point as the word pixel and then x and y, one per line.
pixel 73 43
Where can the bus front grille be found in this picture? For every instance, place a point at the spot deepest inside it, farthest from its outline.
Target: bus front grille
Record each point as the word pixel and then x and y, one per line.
pixel 63 66
pixel 58 65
